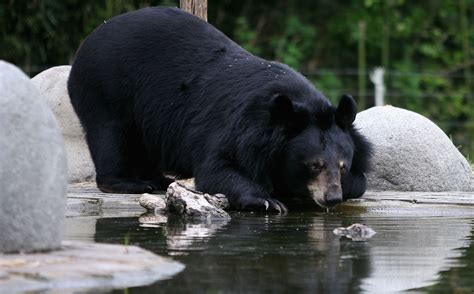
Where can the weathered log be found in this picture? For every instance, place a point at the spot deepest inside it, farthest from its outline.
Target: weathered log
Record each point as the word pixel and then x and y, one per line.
pixel 195 205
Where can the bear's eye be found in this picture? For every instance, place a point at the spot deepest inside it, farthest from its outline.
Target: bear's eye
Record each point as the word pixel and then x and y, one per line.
pixel 316 167
pixel 342 167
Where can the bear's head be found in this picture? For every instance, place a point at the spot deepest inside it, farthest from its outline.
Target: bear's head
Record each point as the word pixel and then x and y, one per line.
pixel 318 153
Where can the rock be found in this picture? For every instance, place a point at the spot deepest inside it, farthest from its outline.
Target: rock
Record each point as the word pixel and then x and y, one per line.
pixel 355 232
pixel 188 183
pixel 84 266
pixel 218 200
pixel 32 167
pixel 52 84
pixel 153 202
pixel 411 153
pixel 192 204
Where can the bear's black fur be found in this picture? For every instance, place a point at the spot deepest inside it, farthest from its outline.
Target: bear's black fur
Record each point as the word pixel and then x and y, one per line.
pixel 160 91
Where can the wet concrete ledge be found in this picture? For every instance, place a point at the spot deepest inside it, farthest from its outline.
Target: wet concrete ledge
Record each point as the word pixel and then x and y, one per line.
pixel 84 199
pixel 79 266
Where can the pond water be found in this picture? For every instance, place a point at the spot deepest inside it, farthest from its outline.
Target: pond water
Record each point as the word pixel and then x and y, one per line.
pixel 299 252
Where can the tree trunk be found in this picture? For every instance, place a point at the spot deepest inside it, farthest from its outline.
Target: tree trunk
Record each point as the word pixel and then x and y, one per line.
pixel 196 7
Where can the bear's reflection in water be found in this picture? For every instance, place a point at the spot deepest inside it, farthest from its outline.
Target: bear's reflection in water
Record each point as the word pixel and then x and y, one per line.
pixel 250 253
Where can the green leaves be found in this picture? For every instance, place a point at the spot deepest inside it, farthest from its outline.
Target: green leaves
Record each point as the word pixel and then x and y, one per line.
pixel 426 46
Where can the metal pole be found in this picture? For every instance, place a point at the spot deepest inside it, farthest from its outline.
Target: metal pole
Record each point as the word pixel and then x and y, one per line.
pixel 376 76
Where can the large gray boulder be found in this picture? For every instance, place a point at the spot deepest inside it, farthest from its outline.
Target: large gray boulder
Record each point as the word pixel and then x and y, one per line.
pixel 32 167
pixel 411 153
pixel 52 84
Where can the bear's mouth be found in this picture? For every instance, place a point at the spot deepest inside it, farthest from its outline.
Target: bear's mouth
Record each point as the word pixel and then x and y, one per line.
pixel 317 194
pixel 323 195
pixel 316 190
pixel 319 203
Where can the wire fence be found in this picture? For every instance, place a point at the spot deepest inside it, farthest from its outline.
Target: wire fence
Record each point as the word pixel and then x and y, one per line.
pixel 460 128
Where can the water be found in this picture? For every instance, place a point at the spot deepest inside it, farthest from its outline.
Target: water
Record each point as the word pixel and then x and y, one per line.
pixel 299 252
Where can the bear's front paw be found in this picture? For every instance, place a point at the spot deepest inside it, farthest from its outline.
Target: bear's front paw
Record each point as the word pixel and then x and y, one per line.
pixel 261 204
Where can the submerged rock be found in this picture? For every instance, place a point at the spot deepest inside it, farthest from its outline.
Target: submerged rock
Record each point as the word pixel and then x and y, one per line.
pixel 355 232
pixel 411 153
pixel 33 171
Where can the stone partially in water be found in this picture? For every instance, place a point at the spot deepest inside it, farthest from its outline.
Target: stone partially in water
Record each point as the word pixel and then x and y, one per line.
pixel 192 204
pixel 355 232
pixel 84 266
pixel 153 202
pixel 219 200
pixel 411 153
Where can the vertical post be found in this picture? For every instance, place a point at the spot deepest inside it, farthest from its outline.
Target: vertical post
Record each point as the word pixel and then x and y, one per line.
pixel 362 65
pixel 465 45
pixel 196 7
pixel 376 77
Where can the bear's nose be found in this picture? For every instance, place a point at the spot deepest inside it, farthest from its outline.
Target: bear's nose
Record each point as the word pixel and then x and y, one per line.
pixel 332 201
pixel 333 195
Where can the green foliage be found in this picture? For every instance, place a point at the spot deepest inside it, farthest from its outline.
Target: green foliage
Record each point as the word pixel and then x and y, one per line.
pixel 294 45
pixel 426 46
pixel 246 36
pixel 42 33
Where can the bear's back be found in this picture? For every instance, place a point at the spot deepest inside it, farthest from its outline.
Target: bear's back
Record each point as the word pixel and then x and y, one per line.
pixel 151 45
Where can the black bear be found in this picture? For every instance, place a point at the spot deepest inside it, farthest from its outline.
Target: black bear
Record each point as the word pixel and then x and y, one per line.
pixel 159 91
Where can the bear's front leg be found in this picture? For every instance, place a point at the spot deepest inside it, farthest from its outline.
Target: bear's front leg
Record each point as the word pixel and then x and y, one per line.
pixel 243 193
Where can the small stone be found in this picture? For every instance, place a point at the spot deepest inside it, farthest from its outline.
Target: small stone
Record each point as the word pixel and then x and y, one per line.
pixel 355 232
pixel 153 202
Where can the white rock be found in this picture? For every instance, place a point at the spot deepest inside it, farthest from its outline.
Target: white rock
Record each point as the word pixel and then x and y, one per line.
pixel 192 204
pixel 32 167
pixel 411 153
pixel 153 202
pixel 52 84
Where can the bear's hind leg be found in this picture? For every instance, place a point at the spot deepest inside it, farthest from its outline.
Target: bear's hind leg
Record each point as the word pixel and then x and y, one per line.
pixel 107 140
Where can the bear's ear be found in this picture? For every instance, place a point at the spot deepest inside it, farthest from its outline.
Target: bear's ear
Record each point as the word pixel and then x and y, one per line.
pixel 285 112
pixel 346 111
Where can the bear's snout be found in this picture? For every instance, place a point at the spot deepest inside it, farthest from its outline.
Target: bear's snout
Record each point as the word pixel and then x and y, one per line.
pixel 323 194
pixel 333 195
